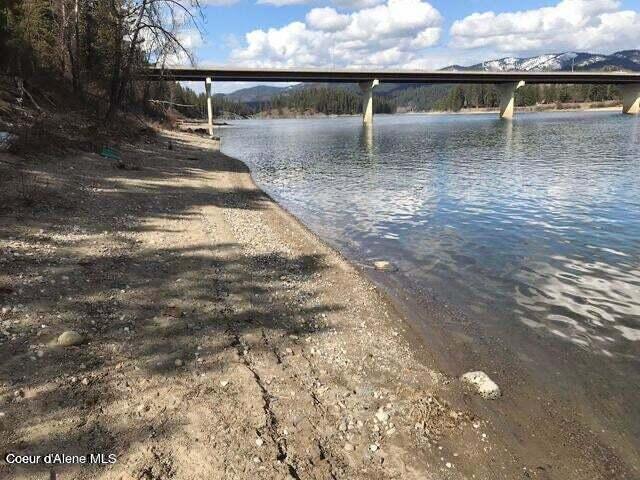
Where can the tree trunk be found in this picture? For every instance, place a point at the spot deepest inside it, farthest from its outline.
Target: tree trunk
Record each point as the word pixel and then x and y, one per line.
pixel 115 71
pixel 129 60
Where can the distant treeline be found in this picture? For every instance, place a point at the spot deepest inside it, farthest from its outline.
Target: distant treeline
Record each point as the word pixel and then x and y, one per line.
pixel 456 97
pixel 345 101
pixel 328 101
pixel 323 100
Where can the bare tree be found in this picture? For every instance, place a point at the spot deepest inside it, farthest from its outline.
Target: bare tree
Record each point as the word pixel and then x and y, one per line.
pixel 151 30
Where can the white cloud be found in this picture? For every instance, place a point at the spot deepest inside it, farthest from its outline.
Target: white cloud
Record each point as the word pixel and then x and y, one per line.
pixel 392 34
pixel 326 19
pixel 597 25
pixel 357 4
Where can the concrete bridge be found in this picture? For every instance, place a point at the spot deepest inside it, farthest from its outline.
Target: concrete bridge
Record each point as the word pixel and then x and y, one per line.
pixel 507 82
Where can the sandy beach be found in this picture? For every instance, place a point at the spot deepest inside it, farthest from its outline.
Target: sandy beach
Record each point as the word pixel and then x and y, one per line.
pixel 223 339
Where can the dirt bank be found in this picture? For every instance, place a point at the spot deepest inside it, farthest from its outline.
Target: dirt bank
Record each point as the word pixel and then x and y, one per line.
pixel 222 338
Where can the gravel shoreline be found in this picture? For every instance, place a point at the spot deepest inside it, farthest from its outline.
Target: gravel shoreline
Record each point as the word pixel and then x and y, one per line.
pixel 222 339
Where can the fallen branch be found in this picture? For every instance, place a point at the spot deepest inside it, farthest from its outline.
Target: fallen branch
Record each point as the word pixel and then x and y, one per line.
pixel 35 104
pixel 171 103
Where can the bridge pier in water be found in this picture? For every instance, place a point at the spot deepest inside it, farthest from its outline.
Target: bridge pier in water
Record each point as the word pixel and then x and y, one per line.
pixel 208 86
pixel 507 92
pixel 367 100
pixel 630 98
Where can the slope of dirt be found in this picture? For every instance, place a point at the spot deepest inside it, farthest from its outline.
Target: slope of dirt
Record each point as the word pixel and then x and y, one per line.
pixel 222 338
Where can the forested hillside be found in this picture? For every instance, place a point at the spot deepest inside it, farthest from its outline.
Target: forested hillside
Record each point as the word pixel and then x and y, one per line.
pixel 456 97
pixel 313 100
pixel 93 46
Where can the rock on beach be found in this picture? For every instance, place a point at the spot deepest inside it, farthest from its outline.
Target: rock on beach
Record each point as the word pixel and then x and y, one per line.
pixel 70 338
pixel 481 382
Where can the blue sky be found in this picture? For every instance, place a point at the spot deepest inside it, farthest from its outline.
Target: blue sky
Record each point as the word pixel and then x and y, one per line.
pixel 418 34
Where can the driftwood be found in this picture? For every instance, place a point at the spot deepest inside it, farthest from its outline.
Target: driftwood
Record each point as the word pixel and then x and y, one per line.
pixel 35 104
pixel 171 103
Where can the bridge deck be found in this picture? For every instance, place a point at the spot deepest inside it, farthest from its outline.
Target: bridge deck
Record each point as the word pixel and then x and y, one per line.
pixel 390 76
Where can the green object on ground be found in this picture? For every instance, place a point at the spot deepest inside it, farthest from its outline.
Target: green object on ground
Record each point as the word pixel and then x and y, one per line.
pixel 112 153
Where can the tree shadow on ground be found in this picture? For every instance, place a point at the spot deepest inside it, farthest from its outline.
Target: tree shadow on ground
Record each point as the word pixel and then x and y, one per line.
pixel 72 262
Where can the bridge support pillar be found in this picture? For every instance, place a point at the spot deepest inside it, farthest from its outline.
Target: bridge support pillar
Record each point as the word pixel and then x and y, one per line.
pixel 630 98
pixel 507 91
pixel 208 88
pixel 367 100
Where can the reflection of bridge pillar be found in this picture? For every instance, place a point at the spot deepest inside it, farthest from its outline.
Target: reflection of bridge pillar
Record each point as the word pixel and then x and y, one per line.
pixel 630 98
pixel 367 100
pixel 366 137
pixel 507 91
pixel 208 87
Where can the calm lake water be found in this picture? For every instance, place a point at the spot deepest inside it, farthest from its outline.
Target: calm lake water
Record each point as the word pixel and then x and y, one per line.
pixel 535 221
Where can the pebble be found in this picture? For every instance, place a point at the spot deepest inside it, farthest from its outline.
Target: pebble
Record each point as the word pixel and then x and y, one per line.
pixel 70 338
pixel 349 447
pixel 224 383
pixel 486 387
pixel 373 447
pixel 259 442
pixel 178 362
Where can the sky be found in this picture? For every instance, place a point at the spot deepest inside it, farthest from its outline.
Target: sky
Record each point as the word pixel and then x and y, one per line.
pixel 403 34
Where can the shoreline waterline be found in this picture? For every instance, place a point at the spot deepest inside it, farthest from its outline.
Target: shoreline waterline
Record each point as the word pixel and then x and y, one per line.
pixel 542 393
pixel 219 322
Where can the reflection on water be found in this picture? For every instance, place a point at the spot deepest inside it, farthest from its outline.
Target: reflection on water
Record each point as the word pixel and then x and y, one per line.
pixel 534 221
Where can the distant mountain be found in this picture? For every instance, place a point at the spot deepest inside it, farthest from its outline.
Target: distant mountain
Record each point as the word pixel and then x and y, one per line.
pixel 567 61
pixel 260 93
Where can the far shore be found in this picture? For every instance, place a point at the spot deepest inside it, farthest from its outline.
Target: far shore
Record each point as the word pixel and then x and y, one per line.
pixel 195 124
pixel 480 111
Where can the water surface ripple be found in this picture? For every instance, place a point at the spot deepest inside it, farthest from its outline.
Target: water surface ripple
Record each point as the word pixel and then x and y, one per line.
pixel 535 221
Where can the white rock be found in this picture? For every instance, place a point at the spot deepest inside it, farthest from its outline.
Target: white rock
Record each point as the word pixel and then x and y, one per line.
pixel 70 338
pixel 178 362
pixel 486 387
pixel 224 383
pixel 259 442
pixel 348 447
pixel 382 416
pixel 384 266
pixel 373 447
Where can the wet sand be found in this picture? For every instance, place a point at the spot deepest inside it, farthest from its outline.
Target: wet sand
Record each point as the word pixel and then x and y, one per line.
pixel 223 339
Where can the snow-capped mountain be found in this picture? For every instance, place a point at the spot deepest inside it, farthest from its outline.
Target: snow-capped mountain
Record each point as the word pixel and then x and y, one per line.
pixel 578 61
